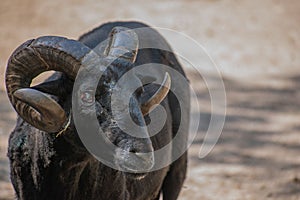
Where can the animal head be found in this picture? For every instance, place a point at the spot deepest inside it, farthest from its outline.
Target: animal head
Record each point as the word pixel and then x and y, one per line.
pixel 70 56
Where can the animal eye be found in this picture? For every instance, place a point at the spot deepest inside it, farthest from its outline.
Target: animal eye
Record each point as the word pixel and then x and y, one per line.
pixel 87 97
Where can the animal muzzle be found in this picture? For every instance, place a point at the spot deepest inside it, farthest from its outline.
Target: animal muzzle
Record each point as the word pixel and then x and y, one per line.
pixel 138 162
pixel 136 156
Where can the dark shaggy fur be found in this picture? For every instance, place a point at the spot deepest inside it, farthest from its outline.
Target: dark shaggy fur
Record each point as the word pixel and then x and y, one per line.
pixel 46 167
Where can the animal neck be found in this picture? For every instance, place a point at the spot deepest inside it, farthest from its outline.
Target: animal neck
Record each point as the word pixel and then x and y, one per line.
pixel 81 176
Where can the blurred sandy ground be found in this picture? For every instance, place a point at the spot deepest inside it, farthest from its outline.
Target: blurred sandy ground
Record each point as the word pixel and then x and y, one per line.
pixel 256 46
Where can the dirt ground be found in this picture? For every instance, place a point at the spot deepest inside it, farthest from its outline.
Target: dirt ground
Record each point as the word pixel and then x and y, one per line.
pixel 255 45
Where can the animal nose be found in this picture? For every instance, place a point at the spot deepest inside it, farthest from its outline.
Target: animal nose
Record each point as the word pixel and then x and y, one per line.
pixel 139 158
pixel 141 146
pixel 139 162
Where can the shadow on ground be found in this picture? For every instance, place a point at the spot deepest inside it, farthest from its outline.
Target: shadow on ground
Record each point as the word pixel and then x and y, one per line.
pixel 260 136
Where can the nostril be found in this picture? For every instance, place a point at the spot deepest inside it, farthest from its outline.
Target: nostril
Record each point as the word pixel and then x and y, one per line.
pixel 133 150
pixel 140 146
pixel 141 149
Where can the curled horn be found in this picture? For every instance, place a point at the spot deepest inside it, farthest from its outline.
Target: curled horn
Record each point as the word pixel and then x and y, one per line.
pixel 149 103
pixel 123 44
pixel 28 61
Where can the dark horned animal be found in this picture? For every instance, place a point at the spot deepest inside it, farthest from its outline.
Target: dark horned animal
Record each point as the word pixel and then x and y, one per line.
pixel 46 165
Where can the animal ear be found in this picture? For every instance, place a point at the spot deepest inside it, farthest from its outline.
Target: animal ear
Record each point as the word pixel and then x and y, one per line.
pixel 60 87
pixel 154 94
pixel 123 44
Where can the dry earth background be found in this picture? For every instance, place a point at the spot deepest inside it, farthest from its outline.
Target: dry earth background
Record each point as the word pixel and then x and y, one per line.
pixel 256 45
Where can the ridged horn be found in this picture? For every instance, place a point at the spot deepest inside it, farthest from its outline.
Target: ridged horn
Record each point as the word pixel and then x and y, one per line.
pixel 28 61
pixel 150 103
pixel 123 44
